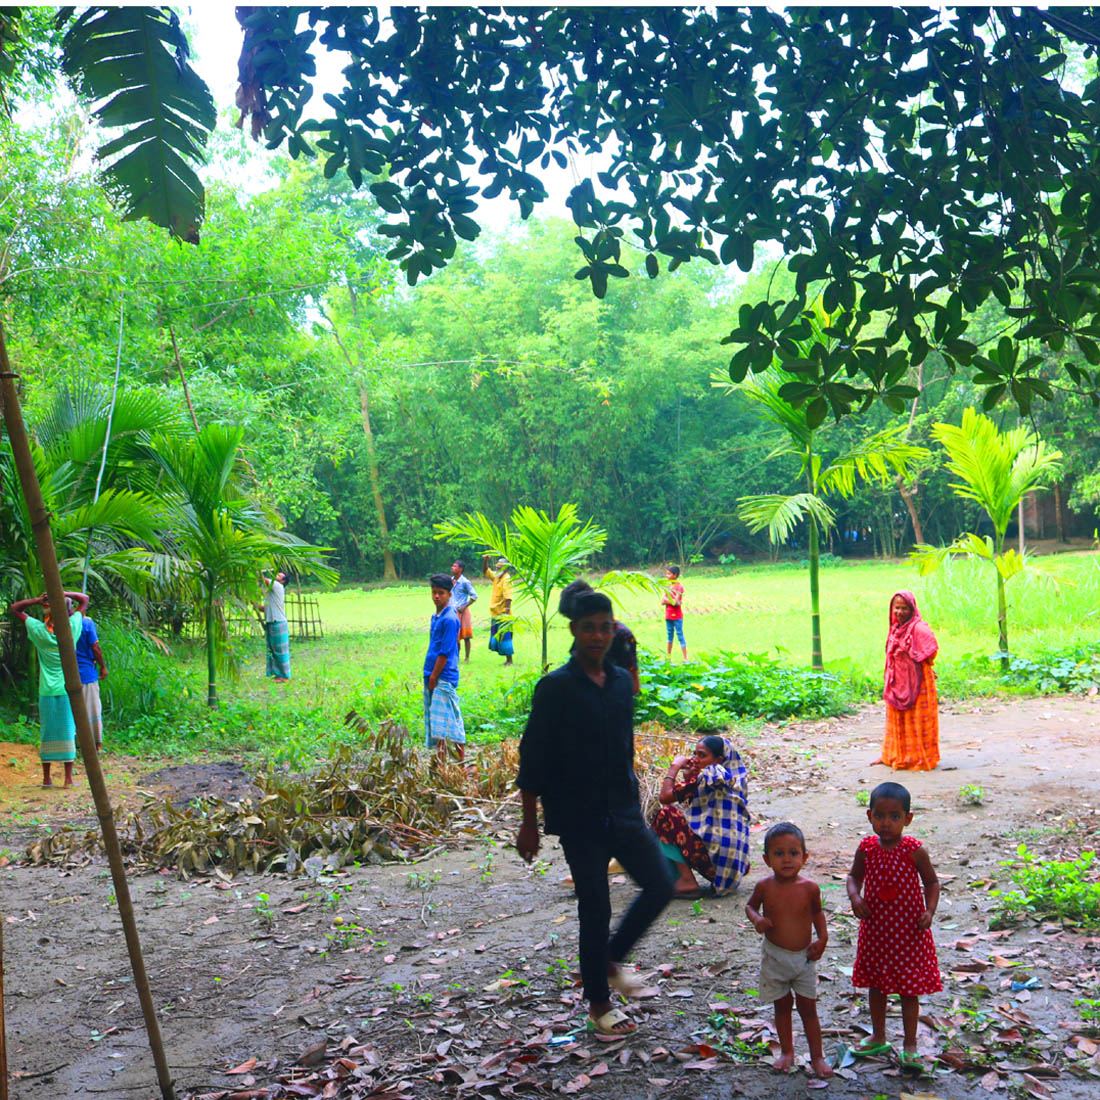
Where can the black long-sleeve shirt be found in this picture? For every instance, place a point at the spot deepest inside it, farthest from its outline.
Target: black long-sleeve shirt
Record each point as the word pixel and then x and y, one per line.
pixel 577 751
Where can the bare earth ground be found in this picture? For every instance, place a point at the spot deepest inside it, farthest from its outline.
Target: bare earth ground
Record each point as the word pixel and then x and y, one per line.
pixel 451 987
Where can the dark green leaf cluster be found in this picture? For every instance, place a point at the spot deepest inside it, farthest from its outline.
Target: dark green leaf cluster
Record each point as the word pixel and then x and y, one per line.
pixel 915 161
pixel 1075 669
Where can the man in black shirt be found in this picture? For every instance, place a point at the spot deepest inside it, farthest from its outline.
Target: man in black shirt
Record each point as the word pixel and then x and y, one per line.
pixel 577 756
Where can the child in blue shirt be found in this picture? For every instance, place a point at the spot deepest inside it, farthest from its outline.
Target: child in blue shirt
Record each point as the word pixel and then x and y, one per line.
pixel 442 714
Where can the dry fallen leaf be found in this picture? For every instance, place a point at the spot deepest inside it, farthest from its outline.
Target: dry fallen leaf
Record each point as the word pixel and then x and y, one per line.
pixel 581 1081
pixel 244 1067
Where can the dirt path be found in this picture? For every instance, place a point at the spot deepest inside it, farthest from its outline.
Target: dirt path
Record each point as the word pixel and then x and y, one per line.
pixel 445 979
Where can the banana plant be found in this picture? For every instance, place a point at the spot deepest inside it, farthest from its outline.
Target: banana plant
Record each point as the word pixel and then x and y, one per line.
pixel 995 469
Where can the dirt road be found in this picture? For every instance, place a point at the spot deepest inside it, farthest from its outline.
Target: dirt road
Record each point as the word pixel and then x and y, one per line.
pixel 447 978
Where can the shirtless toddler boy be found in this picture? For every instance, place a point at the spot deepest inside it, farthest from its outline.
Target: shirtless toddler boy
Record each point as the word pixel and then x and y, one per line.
pixel 785 909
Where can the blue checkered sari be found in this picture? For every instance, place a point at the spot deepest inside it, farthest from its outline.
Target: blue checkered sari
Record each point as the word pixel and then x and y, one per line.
pixel 718 814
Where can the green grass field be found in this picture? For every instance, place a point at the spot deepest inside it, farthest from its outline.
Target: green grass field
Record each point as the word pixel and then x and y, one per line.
pixel 373 650
pixel 375 638
pixel 380 633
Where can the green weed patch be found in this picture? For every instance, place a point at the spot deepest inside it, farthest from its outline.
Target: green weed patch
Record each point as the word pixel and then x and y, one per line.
pixel 1063 890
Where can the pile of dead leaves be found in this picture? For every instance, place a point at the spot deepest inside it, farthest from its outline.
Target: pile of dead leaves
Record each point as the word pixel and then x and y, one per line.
pixel 389 799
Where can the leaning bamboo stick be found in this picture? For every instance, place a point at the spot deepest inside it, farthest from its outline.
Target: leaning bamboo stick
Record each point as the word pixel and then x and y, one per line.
pixel 3 1029
pixel 40 525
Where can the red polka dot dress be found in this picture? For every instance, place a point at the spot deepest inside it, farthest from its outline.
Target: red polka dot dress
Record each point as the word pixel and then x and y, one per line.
pixel 893 955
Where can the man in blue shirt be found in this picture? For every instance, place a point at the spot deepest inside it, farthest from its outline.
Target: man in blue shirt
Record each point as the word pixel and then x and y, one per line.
pixel 463 594
pixel 93 668
pixel 442 715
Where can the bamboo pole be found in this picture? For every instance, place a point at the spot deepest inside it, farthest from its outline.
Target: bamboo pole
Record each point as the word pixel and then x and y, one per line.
pixel 3 1028
pixel 40 524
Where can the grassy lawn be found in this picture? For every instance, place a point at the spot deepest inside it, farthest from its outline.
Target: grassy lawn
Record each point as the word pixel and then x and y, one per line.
pixel 372 654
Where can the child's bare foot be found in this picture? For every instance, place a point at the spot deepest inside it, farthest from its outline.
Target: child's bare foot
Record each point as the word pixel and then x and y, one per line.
pixel 67 783
pixel 783 1062
pixel 48 783
pixel 821 1067
pixel 877 760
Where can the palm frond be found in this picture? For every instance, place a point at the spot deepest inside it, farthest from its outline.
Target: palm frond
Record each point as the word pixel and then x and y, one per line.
pixel 878 457
pixel 781 514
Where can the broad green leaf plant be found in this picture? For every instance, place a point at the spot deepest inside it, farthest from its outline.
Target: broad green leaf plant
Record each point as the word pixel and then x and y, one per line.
pixel 545 552
pixel 222 537
pixel 782 400
pixel 996 469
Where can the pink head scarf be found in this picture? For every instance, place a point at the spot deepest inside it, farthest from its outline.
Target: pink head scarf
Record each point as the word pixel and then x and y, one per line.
pixel 908 646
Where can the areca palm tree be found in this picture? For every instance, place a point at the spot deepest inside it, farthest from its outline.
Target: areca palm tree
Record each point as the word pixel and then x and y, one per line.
pixel 995 470
pixel 107 515
pixel 546 553
pixel 221 538
pixel 878 457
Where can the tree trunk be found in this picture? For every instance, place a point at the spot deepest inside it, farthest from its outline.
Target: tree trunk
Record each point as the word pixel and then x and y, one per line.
pixel 211 669
pixel 815 600
pixel 1059 523
pixel 1002 608
pixel 358 367
pixel 47 556
pixel 389 573
pixel 909 494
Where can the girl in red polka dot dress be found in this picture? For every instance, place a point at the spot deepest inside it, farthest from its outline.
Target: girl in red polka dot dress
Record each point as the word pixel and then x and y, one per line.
pixel 894 891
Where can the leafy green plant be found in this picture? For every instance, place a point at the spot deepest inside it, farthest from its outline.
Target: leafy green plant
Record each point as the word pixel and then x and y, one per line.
pixel 863 797
pixel 790 402
pixel 345 933
pixel 733 684
pixel 1075 669
pixel 971 794
pixel 546 553
pixel 995 469
pixel 263 909
pixel 1064 890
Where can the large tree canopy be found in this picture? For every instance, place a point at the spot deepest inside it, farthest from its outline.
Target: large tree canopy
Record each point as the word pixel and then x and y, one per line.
pixel 915 160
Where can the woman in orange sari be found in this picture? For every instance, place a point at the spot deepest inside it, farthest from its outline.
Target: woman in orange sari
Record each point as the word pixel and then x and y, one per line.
pixel 912 740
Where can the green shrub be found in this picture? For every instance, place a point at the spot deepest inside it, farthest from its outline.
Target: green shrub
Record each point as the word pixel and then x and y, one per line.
pixel 704 694
pixel 1075 669
pixel 1062 890
pixel 142 680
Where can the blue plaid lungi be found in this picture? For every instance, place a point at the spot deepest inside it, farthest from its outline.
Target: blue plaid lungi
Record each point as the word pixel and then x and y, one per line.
pixel 442 715
pixel 278 649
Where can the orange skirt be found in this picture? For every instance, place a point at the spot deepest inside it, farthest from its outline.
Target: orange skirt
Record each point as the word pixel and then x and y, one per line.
pixel 465 623
pixel 912 740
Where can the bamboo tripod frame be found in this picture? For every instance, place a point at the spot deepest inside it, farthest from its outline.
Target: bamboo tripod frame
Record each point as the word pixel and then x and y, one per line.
pixel 40 524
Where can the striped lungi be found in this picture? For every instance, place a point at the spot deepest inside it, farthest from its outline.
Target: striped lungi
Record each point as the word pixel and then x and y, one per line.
pixel 58 729
pixel 94 706
pixel 442 715
pixel 278 649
